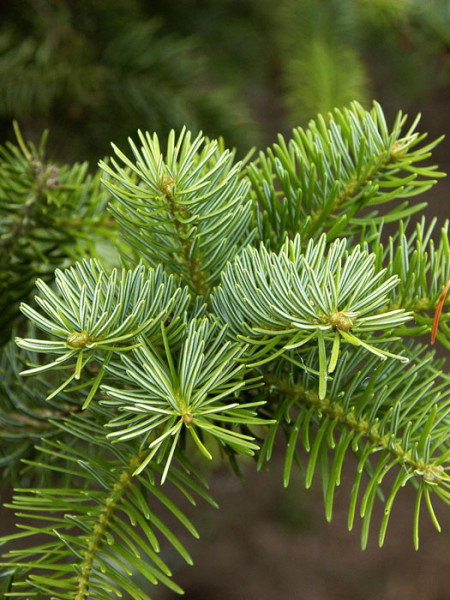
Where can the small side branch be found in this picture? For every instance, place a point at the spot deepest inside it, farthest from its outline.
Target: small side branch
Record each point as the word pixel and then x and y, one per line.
pixel 104 518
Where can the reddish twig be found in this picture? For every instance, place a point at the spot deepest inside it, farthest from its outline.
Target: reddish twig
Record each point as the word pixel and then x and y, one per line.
pixel 437 314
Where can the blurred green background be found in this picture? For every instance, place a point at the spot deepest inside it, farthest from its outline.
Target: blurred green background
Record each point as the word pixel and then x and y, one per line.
pixel 94 71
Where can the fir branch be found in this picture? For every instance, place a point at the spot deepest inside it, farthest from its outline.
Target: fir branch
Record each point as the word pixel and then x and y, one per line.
pixel 359 426
pixel 170 373
pixel 101 526
pixel 187 209
pixel 94 542
pixel 399 416
pixel 422 266
pixel 26 416
pixel 97 315
pixel 49 214
pixel 324 176
pixel 190 389
pixel 279 302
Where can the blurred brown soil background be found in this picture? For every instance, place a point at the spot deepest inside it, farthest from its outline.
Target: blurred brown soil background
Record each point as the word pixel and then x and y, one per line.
pixel 267 542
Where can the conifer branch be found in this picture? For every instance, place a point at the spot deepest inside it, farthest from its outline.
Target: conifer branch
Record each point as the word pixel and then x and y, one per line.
pixel 98 315
pixel 423 270
pixel 205 340
pixel 50 215
pixel 279 302
pixel 325 175
pixel 94 542
pixel 399 416
pixel 187 209
pixel 178 215
pixel 101 525
pixel 297 394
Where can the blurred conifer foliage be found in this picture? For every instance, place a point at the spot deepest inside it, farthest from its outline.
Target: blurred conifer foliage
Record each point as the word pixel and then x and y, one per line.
pixel 241 69
pixel 337 50
pixel 94 71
